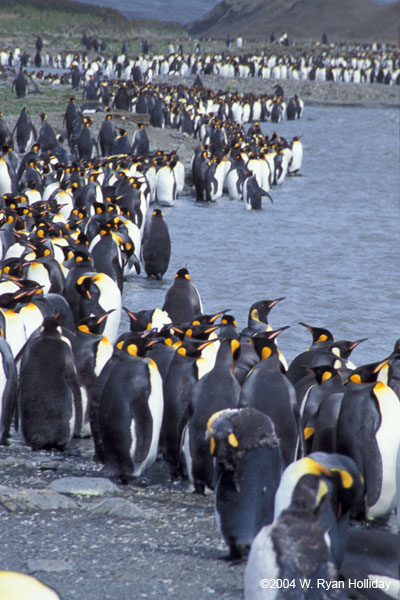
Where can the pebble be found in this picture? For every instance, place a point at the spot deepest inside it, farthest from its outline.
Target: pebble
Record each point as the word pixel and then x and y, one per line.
pixel 83 486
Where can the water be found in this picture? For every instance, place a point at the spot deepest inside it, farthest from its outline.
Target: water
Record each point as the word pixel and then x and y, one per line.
pixel 175 11
pixel 330 243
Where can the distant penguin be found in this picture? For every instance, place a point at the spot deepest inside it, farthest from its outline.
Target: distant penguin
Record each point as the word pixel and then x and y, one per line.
pixel 166 186
pixel 140 142
pixel 19 586
pixel 216 390
pixel 46 136
pixel 121 143
pixel 86 144
pixel 20 84
pixel 24 130
pixel 75 77
pixel 49 400
pixel 291 110
pixel 296 160
pixel 182 300
pixel 8 177
pixel 5 132
pixel 130 412
pixel 248 466
pixel 156 245
pixel 71 116
pixel 252 194
pixel 107 135
pixel 123 98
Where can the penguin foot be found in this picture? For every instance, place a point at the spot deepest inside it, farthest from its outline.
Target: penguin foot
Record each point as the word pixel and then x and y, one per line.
pixel 199 488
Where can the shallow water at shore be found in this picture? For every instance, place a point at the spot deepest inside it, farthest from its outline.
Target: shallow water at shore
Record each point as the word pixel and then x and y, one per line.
pixel 329 243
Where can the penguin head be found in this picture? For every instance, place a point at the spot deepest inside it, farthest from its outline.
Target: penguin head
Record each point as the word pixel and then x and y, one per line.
pixel 319 335
pixel 343 348
pixel 260 310
pixel 264 342
pixel 323 373
pixel 182 274
pixel 367 373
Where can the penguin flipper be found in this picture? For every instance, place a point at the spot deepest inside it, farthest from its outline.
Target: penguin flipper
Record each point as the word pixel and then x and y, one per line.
pixel 264 193
pixel 143 428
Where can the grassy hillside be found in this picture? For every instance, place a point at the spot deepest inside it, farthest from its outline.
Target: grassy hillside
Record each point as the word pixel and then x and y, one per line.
pixel 63 22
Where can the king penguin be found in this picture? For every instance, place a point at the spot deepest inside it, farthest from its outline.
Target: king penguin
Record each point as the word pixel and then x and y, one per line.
pixel 217 390
pixel 268 389
pixel 156 245
pixel 248 467
pixel 368 432
pixel 140 142
pixel 24 130
pixel 130 412
pixel 182 300
pixel 49 400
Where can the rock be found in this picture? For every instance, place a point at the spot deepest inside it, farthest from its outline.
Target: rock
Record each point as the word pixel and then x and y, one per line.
pixel 119 507
pixel 48 564
pixel 83 486
pixel 25 499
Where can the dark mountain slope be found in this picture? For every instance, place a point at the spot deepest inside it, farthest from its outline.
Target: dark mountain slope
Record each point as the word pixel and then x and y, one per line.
pixel 301 19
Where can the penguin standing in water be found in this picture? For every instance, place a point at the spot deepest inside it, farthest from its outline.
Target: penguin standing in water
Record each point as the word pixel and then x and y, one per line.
pixel 216 390
pixel 296 159
pixel 248 467
pixel 182 300
pixel 368 432
pixel 49 400
pixel 130 411
pixel 252 194
pixel 140 142
pixel 24 130
pixel 156 245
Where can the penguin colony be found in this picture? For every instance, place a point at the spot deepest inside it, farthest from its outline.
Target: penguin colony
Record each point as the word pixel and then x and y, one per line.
pixel 347 63
pixel 291 452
